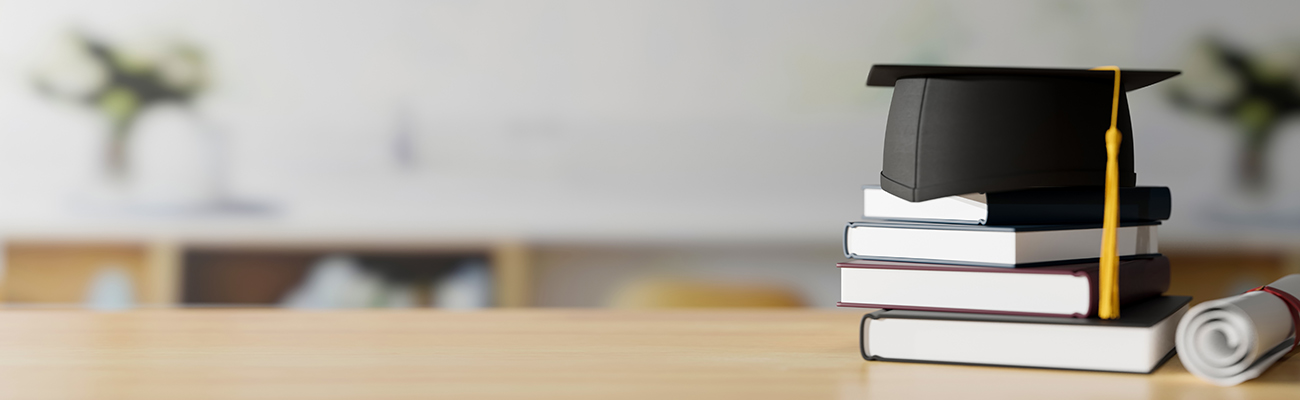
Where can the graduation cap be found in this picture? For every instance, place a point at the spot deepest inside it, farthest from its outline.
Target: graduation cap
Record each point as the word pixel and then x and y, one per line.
pixel 959 130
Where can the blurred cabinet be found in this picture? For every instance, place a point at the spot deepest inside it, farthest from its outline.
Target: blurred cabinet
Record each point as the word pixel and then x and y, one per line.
pixel 169 272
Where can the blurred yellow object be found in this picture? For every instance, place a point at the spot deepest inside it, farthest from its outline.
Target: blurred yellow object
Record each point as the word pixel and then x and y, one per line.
pixel 688 294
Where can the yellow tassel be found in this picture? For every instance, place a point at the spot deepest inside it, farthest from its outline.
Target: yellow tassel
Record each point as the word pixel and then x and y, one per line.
pixel 1108 287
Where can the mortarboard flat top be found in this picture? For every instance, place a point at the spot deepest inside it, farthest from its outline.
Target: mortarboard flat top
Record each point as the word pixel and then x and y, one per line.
pixel 959 130
pixel 1133 79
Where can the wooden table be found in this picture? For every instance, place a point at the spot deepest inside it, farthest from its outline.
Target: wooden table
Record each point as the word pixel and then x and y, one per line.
pixel 787 354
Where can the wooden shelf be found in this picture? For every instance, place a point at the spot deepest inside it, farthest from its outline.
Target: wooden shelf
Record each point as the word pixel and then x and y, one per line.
pixel 165 272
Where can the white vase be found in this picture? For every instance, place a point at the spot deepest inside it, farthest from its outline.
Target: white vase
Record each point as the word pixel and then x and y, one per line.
pixel 175 162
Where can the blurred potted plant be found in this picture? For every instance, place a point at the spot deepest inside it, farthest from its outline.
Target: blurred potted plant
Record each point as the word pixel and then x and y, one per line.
pixel 121 84
pixel 1254 95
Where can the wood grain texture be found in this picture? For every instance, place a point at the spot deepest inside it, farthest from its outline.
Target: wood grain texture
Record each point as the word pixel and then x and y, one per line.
pixel 717 354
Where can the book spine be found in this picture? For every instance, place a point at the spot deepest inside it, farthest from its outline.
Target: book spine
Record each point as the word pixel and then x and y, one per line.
pixel 862 336
pixel 1081 205
pixel 1139 279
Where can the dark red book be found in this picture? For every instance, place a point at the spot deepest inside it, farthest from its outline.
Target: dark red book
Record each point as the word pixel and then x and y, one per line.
pixel 1068 290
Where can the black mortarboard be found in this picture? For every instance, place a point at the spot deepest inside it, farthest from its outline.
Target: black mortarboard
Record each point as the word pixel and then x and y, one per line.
pixel 958 130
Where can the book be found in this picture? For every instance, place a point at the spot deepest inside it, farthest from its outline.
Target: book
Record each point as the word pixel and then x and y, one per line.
pixel 994 246
pixel 1038 206
pixel 1139 341
pixel 1068 290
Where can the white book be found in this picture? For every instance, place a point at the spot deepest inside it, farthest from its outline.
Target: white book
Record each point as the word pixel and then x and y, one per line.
pixel 1138 342
pixel 965 209
pixel 1065 290
pixel 1004 246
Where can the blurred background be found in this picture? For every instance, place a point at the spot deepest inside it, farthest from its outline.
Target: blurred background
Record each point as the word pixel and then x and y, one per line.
pixel 468 154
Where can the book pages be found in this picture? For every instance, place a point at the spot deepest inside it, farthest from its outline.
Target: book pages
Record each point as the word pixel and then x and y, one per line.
pixel 1232 340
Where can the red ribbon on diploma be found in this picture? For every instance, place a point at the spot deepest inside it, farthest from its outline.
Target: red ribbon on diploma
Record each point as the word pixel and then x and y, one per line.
pixel 1292 305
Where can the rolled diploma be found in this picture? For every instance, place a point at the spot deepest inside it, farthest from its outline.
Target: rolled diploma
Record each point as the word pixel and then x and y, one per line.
pixel 1232 340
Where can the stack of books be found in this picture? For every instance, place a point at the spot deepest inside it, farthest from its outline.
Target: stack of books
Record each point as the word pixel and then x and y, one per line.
pixel 1010 279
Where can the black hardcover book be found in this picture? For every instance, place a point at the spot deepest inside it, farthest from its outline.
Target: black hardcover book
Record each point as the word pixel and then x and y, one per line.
pixel 1037 206
pixel 1138 342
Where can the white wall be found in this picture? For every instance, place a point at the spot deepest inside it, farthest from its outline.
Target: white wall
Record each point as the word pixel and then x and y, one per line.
pixel 596 121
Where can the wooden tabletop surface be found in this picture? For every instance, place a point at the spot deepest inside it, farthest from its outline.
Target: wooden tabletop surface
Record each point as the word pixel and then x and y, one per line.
pixel 607 354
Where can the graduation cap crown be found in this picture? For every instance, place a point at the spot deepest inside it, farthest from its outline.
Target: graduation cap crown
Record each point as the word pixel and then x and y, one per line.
pixel 958 130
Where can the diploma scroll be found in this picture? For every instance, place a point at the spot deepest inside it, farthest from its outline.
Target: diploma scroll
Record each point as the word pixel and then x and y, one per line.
pixel 1232 340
